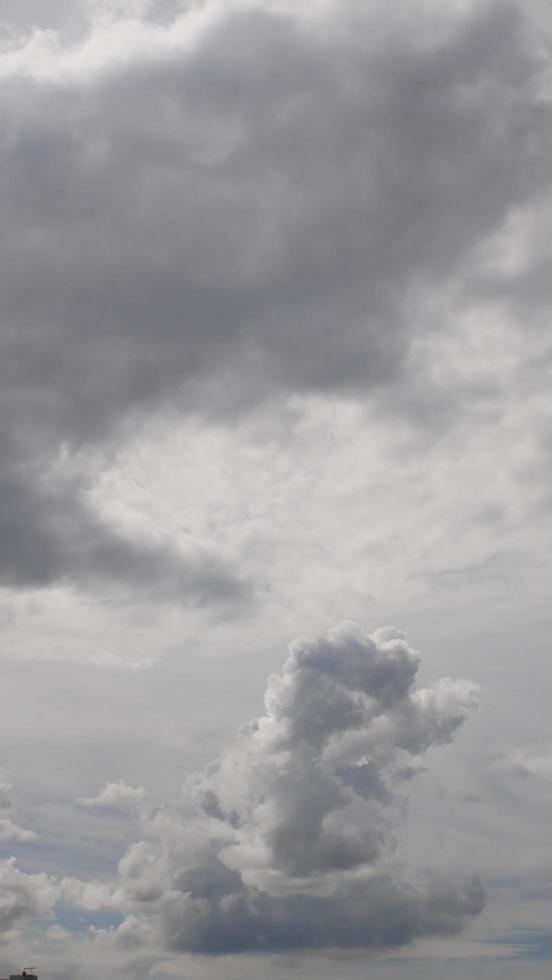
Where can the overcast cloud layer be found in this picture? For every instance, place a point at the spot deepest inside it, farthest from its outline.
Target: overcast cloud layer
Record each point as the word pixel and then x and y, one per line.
pixel 244 202
pixel 274 354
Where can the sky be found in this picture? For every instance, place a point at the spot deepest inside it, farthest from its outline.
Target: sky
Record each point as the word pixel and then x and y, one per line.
pixel 275 507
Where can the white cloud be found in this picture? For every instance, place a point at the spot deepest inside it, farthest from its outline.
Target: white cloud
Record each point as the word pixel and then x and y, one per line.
pixel 287 840
pixel 23 896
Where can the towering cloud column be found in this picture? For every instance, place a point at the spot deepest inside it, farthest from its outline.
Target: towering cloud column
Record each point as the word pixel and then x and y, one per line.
pixel 288 841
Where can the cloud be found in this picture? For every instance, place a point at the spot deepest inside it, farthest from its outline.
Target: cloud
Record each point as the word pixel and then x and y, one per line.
pixel 22 896
pixel 51 534
pixel 289 840
pixel 117 796
pixel 526 762
pixel 10 831
pixel 131 933
pixel 234 206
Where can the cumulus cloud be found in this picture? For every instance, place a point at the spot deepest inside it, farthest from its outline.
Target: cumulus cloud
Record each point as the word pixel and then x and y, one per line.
pixel 241 203
pixel 118 796
pixel 289 840
pixel 23 896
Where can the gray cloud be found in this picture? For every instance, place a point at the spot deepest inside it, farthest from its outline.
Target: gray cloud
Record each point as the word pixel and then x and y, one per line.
pixel 20 16
pixel 119 797
pixel 524 762
pixel 275 846
pixel 211 223
pixel 239 201
pixel 9 830
pixel 23 896
pixel 375 915
pixel 50 534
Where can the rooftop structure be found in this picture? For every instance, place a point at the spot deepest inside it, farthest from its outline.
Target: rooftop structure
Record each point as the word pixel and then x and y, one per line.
pixel 29 973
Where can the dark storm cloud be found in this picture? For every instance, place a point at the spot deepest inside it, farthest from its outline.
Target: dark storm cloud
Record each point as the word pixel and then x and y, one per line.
pixel 260 212
pixel 274 846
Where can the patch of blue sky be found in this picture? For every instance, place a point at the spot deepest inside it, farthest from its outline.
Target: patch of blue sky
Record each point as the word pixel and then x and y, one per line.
pixel 530 945
pixel 57 858
pixel 80 921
